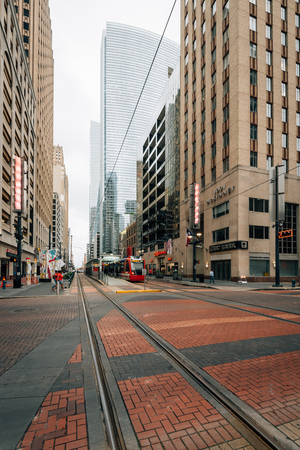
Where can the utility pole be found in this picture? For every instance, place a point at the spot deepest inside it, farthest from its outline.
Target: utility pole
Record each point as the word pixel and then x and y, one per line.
pixel 277 210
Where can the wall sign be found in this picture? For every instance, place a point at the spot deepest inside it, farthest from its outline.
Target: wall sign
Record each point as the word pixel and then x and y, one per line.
pixel 236 245
pixel 163 252
pixel 220 192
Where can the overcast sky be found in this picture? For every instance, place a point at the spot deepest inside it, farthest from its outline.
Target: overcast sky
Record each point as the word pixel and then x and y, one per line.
pixel 76 36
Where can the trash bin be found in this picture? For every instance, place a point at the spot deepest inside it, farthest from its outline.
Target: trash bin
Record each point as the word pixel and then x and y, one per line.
pixel 201 277
pixel 17 282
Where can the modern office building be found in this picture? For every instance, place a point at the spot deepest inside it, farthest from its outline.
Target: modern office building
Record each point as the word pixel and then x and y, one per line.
pixel 17 131
pixel 35 27
pixel 158 182
pixel 126 56
pixel 60 237
pixel 240 116
pixel 95 171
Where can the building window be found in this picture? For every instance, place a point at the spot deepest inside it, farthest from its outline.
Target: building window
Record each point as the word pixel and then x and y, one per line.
pixel 253 132
pixel 258 232
pixel 186 59
pixel 284 140
pixel 269 110
pixel 297 20
pixel 203 138
pixel 269 137
pixel 194 86
pixel 203 182
pixel 297 70
pixel 213 175
pixel 186 155
pixel 203 49
pixel 283 38
pixel 283 64
pixel 283 13
pixel 203 6
pixel 186 116
pixel 226 164
pixel 226 87
pixel 253 49
pixel 297 94
pixel 269 162
pixel 186 20
pixel 194 168
pixel 269 84
pixel 253 159
pixel 297 45
pixel 186 41
pixel 185 174
pixel 226 113
pixel 298 119
pixel 220 235
pixel 214 126
pixel 194 126
pixel 289 245
pixel 203 28
pixel 203 93
pixel 298 144
pixel 225 35
pixel 253 104
pixel 225 10
pixel 284 115
pixel 194 147
pixel 268 32
pixel 203 115
pixel 25 26
pixel 298 169
pixel 226 61
pixel 194 106
pixel 213 32
pixel 186 78
pixel 194 4
pixel 195 25
pixel 284 89
pixel 284 162
pixel 252 23
pixel 186 136
pixel 203 72
pixel 226 139
pixel 213 55
pixel 186 98
pixel 194 45
pixel 213 8
pixel 194 65
pixel 268 58
pixel 203 160
pixel 213 103
pixel 214 78
pixel 220 210
pixel 213 150
pixel 253 77
pixel 268 6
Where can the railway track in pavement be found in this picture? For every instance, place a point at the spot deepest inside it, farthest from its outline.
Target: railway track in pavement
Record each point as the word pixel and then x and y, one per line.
pixel 256 431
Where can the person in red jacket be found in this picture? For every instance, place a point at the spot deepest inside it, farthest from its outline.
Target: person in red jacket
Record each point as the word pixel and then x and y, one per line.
pixel 55 280
pixel 60 280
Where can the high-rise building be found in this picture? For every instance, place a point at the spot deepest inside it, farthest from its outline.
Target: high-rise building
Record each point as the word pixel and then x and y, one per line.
pixel 35 27
pixel 95 172
pixel 126 56
pixel 240 116
pixel 18 139
pixel 60 238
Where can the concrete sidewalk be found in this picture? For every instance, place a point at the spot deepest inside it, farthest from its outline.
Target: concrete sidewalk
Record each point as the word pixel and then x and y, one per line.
pixel 32 290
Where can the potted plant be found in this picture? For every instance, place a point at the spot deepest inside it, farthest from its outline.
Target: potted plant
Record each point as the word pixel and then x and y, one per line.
pixel 159 274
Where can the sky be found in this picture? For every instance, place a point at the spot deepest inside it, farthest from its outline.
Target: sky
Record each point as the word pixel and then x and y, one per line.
pixel 76 39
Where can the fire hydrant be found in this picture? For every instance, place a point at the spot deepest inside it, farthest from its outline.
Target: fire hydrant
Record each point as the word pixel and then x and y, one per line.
pixel 293 283
pixel 4 283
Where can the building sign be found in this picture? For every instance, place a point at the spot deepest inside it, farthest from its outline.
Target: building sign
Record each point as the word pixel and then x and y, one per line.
pixel 236 245
pixel 163 252
pixel 220 192
pixel 196 205
pixel 11 253
pixel 17 185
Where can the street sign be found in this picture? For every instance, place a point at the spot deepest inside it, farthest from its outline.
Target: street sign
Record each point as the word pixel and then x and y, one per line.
pixel 285 234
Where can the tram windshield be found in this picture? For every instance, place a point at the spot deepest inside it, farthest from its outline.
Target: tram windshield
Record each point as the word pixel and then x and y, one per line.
pixel 137 265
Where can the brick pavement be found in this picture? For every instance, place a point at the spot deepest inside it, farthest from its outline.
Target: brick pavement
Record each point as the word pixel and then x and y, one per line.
pixel 26 322
pixel 60 423
pixel 168 413
pixel 190 323
pixel 270 385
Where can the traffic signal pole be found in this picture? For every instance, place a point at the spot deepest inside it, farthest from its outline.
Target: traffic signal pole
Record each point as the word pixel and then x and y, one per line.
pixel 277 268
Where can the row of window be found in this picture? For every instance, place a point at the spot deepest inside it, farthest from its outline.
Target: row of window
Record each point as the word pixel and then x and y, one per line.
pixel 255 232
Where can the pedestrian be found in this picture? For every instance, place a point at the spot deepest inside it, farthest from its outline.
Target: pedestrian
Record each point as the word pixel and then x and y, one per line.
pixel 55 280
pixel 150 272
pixel 60 279
pixel 212 277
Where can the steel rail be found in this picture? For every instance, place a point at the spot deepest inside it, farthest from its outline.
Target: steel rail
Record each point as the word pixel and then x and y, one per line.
pixel 109 420
pixel 268 440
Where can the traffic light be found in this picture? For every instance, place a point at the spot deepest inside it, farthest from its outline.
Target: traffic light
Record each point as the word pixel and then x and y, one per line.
pixel 285 234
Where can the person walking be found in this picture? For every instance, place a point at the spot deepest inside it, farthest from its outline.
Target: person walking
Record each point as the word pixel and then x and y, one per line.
pixel 60 280
pixel 212 277
pixel 55 280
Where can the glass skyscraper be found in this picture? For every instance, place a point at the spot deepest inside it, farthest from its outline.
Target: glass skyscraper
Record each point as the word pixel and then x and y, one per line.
pixel 126 56
pixel 94 181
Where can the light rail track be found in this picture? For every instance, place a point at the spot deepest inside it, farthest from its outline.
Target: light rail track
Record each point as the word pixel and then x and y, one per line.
pixel 268 436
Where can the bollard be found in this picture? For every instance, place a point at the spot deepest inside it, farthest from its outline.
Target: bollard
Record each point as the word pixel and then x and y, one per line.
pixel 293 283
